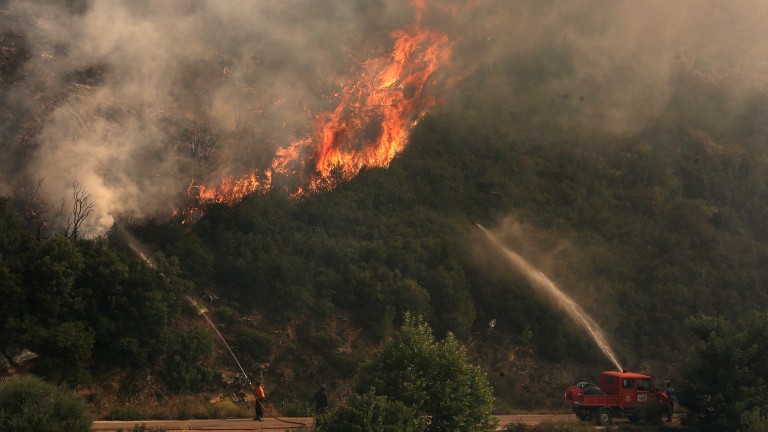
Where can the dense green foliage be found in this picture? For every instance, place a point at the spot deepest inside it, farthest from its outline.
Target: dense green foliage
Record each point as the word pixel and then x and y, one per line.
pixel 651 226
pixel 182 369
pixel 369 412
pixel 726 380
pixel 433 377
pixel 28 404
pixel 84 303
pixel 644 229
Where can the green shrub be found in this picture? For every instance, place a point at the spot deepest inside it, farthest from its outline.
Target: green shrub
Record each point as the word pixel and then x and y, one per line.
pixel 226 409
pixel 295 408
pixel 369 412
pixel 29 404
pixel 188 407
pixel 754 421
pixel 227 315
pixel 124 413
pixel 183 370
pixel 254 344
pixel 433 377
pixel 725 377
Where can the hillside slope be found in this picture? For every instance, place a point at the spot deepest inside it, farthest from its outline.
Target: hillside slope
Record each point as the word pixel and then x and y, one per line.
pixel 644 198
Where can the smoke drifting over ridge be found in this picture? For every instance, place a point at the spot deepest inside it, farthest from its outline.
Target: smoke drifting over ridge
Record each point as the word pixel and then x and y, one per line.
pixel 242 73
pixel 619 60
pixel 134 99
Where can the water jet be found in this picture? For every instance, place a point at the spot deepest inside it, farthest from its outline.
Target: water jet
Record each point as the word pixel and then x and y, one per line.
pixel 544 285
pixel 137 248
pixel 202 311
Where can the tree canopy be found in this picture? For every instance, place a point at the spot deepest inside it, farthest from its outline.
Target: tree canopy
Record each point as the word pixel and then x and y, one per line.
pixel 644 229
pixel 76 303
pixel 726 379
pixel 29 404
pixel 434 378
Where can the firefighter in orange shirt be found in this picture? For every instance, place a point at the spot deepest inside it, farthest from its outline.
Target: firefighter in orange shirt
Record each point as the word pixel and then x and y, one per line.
pixel 258 392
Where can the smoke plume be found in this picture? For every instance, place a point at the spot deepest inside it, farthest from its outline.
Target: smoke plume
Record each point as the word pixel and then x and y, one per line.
pixel 134 99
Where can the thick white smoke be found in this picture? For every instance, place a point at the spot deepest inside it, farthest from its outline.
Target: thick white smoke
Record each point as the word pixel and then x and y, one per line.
pixel 119 95
pixel 114 93
pixel 612 65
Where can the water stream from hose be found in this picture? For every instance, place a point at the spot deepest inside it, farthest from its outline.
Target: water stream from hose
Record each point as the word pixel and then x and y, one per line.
pixel 567 304
pixel 138 249
pixel 213 326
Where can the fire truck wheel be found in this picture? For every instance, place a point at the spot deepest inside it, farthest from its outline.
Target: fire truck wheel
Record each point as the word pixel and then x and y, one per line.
pixel 604 417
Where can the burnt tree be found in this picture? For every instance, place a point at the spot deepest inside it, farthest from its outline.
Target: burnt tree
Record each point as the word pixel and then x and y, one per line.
pixel 201 140
pixel 82 207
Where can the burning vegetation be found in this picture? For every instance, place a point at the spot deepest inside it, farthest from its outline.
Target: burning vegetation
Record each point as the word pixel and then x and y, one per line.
pixel 150 118
pixel 629 143
pixel 369 127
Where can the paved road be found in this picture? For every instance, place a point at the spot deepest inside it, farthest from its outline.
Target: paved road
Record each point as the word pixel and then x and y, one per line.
pixel 270 424
pixel 276 425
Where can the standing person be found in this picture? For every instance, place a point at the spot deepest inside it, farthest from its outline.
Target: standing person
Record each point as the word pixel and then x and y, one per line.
pixel 670 391
pixel 321 401
pixel 258 392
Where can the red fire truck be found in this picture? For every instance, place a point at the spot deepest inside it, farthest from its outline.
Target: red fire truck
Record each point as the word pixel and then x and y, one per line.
pixel 618 394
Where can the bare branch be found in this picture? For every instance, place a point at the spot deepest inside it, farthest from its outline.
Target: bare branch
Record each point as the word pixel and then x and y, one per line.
pixel 242 127
pixel 201 140
pixel 81 209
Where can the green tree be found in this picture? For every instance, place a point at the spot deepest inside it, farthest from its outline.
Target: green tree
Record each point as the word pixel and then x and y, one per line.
pixel 433 377
pixel 754 421
pixel 368 412
pixel 726 379
pixel 183 370
pixel 29 404
pixel 68 348
pixel 51 275
pixel 253 345
pixel 131 307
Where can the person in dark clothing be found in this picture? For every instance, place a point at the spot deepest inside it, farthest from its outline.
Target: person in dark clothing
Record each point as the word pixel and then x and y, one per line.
pixel 670 392
pixel 321 401
pixel 258 393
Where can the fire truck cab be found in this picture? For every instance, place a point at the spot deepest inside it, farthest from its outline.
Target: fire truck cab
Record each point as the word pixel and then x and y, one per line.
pixel 618 394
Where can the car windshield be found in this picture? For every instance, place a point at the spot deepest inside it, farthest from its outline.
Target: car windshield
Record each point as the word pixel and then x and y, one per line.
pixel 644 384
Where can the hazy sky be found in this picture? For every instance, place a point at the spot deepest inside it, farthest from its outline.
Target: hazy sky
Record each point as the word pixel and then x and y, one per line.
pixel 112 89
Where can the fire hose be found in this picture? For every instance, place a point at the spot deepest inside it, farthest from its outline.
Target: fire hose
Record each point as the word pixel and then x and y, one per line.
pixel 202 312
pixel 278 418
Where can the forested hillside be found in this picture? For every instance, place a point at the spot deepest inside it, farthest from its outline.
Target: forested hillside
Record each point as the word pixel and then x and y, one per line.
pixel 646 220
pixel 645 229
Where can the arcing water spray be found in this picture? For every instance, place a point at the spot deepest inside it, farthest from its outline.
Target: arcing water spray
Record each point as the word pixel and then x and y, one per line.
pixel 546 286
pixel 134 244
pixel 136 247
pixel 201 311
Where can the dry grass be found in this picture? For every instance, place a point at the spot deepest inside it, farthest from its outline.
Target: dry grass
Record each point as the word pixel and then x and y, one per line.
pixel 181 408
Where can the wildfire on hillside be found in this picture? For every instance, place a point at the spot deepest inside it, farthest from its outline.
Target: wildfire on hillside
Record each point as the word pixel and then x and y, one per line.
pixel 369 127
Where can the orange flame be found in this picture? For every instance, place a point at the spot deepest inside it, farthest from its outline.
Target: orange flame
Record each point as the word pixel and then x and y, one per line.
pixel 369 127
